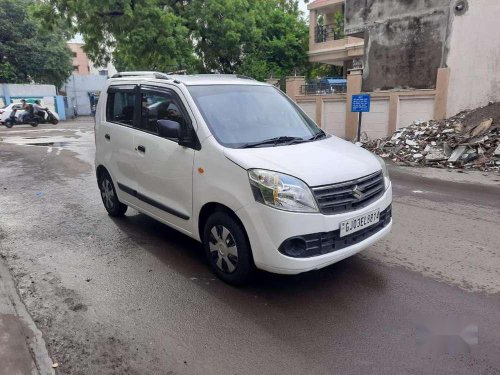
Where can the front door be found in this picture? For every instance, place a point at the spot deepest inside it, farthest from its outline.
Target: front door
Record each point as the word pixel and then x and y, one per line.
pixel 164 168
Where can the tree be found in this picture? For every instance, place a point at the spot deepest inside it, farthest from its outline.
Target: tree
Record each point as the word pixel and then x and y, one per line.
pixel 281 48
pixel 144 34
pixel 223 31
pixel 252 37
pixel 28 52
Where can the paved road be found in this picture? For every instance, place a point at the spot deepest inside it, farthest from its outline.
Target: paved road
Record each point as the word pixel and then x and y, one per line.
pixel 132 296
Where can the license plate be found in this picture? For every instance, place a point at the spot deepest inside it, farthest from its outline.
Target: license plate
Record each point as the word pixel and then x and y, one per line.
pixel 359 222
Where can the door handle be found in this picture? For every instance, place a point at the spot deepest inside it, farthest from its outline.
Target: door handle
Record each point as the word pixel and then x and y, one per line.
pixel 107 136
pixel 141 149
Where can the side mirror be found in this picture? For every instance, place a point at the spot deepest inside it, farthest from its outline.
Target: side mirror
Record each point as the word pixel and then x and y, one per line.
pixel 169 129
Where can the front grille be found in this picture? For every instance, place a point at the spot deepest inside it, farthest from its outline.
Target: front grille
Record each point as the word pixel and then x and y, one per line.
pixel 350 195
pixel 327 242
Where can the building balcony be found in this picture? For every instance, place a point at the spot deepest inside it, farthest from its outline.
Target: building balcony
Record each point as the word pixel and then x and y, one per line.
pixel 336 51
pixel 327 43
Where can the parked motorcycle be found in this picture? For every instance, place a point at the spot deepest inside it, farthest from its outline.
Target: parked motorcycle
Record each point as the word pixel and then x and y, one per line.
pixel 42 117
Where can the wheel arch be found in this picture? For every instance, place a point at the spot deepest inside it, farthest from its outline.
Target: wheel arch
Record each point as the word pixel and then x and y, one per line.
pixel 212 207
pixel 100 170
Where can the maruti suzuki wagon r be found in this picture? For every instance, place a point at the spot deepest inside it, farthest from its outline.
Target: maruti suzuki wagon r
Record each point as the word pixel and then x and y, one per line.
pixel 237 165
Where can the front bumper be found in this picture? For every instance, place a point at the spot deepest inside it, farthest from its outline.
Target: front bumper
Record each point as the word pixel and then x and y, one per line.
pixel 268 228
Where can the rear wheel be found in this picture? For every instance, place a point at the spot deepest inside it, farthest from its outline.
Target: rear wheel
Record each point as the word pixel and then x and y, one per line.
pixel 54 121
pixel 34 123
pixel 227 249
pixel 109 198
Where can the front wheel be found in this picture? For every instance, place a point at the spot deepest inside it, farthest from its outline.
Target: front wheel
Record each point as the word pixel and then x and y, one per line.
pixel 227 249
pixel 9 123
pixel 109 198
pixel 34 123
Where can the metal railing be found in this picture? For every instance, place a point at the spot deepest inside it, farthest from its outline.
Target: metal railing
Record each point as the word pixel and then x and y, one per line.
pixel 321 88
pixel 326 32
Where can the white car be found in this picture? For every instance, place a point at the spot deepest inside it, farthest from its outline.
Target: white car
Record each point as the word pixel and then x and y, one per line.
pixel 6 111
pixel 237 165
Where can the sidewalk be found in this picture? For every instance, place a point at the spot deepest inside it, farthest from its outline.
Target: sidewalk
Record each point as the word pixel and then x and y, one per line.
pixel 22 349
pixel 459 176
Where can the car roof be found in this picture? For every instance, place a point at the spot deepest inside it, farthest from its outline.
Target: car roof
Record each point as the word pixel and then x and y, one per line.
pixel 188 80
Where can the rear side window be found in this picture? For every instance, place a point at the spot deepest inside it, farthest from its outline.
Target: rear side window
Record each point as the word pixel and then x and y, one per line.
pixel 121 107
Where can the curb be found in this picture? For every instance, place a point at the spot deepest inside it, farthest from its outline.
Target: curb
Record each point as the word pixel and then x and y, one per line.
pixel 33 339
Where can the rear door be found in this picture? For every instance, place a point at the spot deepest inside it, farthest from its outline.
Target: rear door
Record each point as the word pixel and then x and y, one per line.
pixel 164 168
pixel 118 137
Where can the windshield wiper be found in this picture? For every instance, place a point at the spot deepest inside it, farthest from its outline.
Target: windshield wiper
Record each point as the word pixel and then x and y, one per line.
pixel 318 135
pixel 275 141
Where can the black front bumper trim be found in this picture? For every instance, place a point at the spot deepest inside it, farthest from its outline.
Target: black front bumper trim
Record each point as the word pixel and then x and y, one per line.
pixel 316 244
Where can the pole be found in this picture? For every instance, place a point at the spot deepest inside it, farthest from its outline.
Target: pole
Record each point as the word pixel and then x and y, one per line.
pixel 360 115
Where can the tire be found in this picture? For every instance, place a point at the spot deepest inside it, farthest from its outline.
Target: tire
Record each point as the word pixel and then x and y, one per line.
pixel 109 198
pixel 54 121
pixel 9 124
pixel 34 123
pixel 228 251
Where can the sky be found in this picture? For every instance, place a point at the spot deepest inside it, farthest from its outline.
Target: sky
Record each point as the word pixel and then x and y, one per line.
pixel 303 6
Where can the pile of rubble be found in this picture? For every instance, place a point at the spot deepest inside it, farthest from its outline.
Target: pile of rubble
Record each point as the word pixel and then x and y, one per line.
pixel 462 141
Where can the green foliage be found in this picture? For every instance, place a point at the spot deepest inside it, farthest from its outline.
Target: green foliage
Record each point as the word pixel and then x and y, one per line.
pixel 156 41
pixel 338 25
pixel 324 70
pixel 144 34
pixel 224 31
pixel 252 37
pixel 29 52
pixel 283 42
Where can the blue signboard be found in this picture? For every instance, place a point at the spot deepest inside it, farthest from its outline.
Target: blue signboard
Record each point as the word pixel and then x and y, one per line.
pixel 360 103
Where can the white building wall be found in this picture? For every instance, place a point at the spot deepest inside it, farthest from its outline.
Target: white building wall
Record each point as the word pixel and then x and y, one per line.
pixel 27 90
pixel 333 121
pixel 474 57
pixel 376 122
pixel 78 88
pixel 110 68
pixel 413 109
pixel 309 108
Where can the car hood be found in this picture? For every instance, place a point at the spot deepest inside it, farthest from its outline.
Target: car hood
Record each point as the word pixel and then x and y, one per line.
pixel 322 162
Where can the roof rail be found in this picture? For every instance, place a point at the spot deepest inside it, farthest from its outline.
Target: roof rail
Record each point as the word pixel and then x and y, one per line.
pixel 181 72
pixel 244 77
pixel 157 75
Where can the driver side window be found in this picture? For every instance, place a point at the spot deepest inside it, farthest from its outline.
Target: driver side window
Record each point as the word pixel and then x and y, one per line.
pixel 159 106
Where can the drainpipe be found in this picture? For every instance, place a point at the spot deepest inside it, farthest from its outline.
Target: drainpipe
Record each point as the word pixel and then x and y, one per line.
pixel 75 104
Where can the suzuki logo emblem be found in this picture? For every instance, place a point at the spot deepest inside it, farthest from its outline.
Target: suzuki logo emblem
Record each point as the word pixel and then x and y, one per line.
pixel 358 194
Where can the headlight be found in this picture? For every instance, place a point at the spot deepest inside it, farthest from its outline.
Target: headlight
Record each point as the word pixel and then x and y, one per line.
pixel 281 191
pixel 384 171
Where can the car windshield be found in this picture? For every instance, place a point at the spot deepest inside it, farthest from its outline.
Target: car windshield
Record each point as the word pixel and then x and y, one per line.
pixel 252 116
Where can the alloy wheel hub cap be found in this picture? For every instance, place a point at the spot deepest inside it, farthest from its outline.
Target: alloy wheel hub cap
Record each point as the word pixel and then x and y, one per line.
pixel 222 248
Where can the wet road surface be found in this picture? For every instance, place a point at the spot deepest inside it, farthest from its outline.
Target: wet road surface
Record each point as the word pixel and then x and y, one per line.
pixel 132 296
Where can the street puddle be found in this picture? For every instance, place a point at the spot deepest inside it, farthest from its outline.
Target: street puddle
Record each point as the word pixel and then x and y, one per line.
pixel 78 141
pixel 50 144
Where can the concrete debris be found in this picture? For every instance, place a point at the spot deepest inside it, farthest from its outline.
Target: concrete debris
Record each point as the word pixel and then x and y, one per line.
pixel 435 155
pixel 457 153
pixel 444 144
pixel 482 127
pixel 496 152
